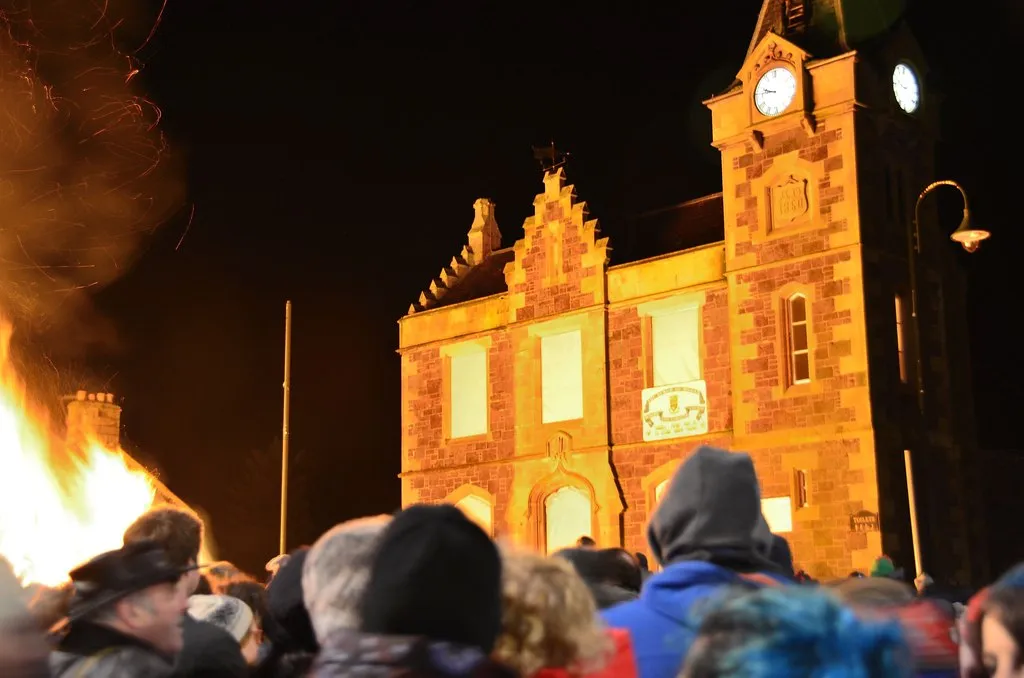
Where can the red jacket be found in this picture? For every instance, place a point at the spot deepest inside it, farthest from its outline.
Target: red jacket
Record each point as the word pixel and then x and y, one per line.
pixel 621 663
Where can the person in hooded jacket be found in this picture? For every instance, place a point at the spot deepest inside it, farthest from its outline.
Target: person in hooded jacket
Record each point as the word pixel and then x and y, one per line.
pixel 707 533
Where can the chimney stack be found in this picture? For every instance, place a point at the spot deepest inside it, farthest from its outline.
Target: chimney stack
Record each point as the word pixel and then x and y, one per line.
pixel 484 235
pixel 93 415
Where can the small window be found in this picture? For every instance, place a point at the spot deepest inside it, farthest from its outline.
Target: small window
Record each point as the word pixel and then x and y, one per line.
pixel 799 349
pixel 901 352
pixel 778 513
pixel 800 487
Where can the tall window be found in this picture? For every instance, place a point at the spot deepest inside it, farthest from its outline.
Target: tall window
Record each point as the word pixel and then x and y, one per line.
pixel 675 346
pixel 799 349
pixel 468 392
pixel 800 486
pixel 561 380
pixel 901 352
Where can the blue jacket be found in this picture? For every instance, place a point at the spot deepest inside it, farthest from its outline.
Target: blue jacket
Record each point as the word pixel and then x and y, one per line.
pixel 659 621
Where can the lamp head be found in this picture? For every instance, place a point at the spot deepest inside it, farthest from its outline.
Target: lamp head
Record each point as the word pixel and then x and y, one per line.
pixel 967 235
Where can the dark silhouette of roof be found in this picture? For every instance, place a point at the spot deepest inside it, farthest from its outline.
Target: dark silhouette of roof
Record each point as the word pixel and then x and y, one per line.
pixel 670 229
pixel 483 280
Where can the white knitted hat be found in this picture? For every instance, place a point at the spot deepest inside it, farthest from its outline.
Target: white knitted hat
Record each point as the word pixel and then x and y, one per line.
pixel 228 613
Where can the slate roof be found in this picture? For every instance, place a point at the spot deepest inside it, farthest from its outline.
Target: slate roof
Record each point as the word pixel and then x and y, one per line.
pixel 481 281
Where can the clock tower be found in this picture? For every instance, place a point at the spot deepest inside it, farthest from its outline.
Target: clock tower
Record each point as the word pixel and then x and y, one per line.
pixel 827 136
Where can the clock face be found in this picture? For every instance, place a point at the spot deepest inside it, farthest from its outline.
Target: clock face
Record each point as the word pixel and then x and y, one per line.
pixel 775 91
pixel 906 88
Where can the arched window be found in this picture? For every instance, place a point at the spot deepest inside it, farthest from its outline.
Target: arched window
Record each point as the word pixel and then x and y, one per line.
pixel 568 515
pixel 659 490
pixel 479 510
pixel 798 348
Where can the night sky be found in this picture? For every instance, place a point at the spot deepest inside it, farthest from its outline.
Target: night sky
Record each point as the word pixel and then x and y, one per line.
pixel 333 153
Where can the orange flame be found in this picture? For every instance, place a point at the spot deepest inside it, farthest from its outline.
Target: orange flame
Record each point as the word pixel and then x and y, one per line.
pixel 58 507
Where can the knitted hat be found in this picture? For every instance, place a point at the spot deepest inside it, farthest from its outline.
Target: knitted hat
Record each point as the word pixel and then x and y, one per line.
pixel 336 571
pixel 228 613
pixel 883 567
pixel 438 575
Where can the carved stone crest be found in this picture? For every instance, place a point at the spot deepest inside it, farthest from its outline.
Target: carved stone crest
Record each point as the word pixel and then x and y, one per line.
pixel 788 199
pixel 559 447
pixel 772 54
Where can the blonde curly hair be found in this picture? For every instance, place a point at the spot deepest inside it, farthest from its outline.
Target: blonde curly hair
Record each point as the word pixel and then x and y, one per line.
pixel 549 618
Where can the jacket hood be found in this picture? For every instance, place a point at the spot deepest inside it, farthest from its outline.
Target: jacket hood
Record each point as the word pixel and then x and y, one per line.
pixel 712 505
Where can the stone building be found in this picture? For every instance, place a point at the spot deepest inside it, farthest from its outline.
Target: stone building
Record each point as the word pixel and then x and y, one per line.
pixel 551 388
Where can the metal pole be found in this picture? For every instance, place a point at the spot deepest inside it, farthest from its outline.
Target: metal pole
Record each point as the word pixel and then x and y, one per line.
pixel 284 427
pixel 915 539
pixel 913 247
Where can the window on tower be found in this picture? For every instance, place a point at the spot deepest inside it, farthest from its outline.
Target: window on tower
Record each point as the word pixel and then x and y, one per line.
pixel 797 340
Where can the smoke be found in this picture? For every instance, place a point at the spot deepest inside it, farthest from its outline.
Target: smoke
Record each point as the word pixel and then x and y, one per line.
pixel 86 175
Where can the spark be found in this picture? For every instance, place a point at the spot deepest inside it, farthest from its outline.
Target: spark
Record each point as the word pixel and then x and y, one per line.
pixel 86 174
pixel 188 225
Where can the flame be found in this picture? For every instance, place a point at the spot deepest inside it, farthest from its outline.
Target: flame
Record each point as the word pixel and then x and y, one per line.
pixel 58 507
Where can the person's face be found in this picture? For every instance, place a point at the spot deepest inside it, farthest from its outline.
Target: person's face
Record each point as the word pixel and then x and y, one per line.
pixel 190 580
pixel 999 653
pixel 156 615
pixel 251 643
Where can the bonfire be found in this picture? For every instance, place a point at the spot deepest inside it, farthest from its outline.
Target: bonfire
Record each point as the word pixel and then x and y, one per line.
pixel 58 506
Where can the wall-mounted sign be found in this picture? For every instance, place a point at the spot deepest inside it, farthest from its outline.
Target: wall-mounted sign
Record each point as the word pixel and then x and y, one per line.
pixel 864 521
pixel 675 410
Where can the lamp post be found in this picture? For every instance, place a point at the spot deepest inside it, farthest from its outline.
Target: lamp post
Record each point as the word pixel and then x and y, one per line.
pixel 970 238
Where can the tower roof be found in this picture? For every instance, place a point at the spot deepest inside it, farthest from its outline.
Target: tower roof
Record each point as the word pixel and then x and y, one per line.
pixel 826 28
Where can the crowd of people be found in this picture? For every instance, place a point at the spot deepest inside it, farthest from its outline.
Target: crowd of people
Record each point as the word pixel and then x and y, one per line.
pixel 427 593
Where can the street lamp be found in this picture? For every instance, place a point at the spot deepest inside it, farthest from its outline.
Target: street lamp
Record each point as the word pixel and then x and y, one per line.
pixel 970 238
pixel 964 234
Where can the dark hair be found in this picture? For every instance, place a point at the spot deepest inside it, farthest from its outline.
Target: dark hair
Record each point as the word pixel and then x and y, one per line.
pixel 642 559
pixel 619 567
pixel 250 592
pixel 586 541
pixel 179 532
pixel 203 588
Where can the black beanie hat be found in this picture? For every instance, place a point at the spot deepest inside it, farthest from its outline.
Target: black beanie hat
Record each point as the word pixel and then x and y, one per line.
pixel 437 575
pixel 288 625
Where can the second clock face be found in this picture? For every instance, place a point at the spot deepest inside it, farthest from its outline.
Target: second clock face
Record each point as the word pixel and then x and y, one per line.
pixel 906 88
pixel 775 91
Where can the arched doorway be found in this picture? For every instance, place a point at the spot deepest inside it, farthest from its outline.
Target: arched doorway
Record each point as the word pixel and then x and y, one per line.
pixel 568 515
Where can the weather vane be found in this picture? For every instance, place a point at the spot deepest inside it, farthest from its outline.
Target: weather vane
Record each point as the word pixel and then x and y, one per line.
pixel 550 157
